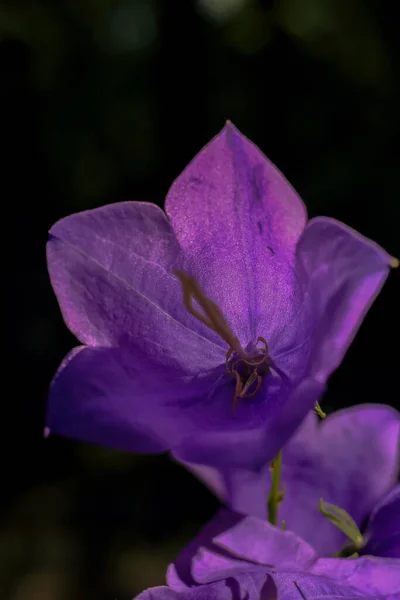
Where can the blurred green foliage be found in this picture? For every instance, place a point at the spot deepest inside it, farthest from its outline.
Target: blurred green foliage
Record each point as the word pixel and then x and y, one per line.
pixel 107 100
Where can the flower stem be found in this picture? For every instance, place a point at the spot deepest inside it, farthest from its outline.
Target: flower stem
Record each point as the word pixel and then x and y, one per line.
pixel 275 495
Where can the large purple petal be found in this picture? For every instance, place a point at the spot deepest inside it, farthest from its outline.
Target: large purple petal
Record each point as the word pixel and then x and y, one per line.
pixel 203 562
pixel 122 229
pixel 229 546
pixel 100 396
pixel 367 574
pixel 252 448
pixel 383 531
pixel 238 221
pixel 344 272
pixel 251 547
pixel 110 397
pixel 259 542
pixel 111 271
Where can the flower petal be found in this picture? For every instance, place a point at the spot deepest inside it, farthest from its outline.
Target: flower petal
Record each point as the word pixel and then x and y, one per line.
pixel 210 566
pixel 252 448
pixel 383 531
pixel 276 586
pixel 122 229
pixel 241 577
pixel 238 221
pixel 100 396
pixel 307 586
pixel 234 588
pixel 260 542
pixel 230 546
pixel 108 396
pixel 367 574
pixel 345 272
pixel 180 574
pixel 110 294
pixel 219 590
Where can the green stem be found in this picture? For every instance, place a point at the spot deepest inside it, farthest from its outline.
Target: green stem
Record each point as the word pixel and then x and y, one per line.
pixel 275 496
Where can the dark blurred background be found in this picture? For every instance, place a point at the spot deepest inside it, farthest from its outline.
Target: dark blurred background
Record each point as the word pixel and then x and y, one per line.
pixel 108 100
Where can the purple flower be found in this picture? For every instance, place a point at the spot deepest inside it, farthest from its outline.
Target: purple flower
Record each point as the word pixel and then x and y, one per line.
pixel 350 459
pixel 236 558
pixel 223 373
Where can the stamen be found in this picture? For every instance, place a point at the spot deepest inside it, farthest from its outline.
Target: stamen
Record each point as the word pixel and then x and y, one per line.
pixel 238 392
pixel 214 319
pixel 238 362
pixel 252 379
pixel 227 357
pixel 242 390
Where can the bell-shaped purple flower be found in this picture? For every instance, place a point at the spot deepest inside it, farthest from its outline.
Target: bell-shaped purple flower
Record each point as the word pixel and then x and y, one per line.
pixel 351 460
pixel 210 329
pixel 236 558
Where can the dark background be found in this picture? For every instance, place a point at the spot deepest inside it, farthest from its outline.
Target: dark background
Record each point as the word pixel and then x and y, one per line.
pixel 103 101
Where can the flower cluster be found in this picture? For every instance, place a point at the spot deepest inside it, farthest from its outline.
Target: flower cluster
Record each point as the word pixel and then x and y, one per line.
pixel 209 331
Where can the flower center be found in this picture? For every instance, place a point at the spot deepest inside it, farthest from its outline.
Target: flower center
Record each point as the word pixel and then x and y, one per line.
pixel 248 371
pixel 247 366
